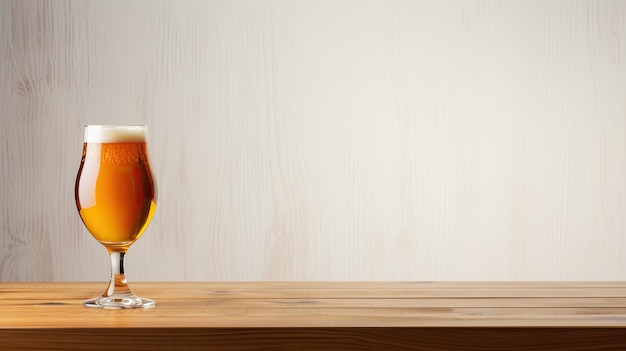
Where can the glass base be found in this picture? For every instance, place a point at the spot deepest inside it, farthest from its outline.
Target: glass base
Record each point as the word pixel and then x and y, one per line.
pixel 114 302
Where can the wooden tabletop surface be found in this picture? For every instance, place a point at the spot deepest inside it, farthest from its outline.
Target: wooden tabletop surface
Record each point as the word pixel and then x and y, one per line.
pixel 321 315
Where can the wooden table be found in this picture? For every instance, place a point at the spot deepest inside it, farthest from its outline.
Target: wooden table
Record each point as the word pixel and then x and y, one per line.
pixel 320 316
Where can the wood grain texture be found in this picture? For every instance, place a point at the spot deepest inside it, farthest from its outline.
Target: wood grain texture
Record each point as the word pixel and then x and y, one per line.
pixel 324 140
pixel 396 338
pixel 321 315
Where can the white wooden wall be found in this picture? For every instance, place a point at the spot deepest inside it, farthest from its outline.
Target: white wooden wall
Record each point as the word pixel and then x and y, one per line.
pixel 324 140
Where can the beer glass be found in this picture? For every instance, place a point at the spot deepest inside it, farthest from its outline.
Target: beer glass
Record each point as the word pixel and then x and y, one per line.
pixel 116 198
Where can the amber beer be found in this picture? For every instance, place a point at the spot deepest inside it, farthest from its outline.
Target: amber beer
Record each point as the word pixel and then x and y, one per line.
pixel 115 191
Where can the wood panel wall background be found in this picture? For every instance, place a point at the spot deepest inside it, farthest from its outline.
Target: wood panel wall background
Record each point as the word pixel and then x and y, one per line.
pixel 324 140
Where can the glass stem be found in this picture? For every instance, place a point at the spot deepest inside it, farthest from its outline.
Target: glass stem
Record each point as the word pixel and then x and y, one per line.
pixel 118 284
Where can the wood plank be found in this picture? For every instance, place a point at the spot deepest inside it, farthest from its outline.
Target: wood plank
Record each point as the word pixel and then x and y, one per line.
pixel 166 302
pixel 331 315
pixel 23 304
pixel 401 140
pixel 329 289
pixel 385 285
pixel 427 339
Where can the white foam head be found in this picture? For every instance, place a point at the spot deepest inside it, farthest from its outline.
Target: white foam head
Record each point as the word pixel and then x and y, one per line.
pixel 114 134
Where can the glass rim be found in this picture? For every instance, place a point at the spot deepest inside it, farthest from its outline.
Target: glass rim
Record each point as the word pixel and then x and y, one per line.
pixel 116 125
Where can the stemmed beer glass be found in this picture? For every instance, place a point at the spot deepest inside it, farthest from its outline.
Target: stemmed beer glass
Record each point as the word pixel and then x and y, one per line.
pixel 116 199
